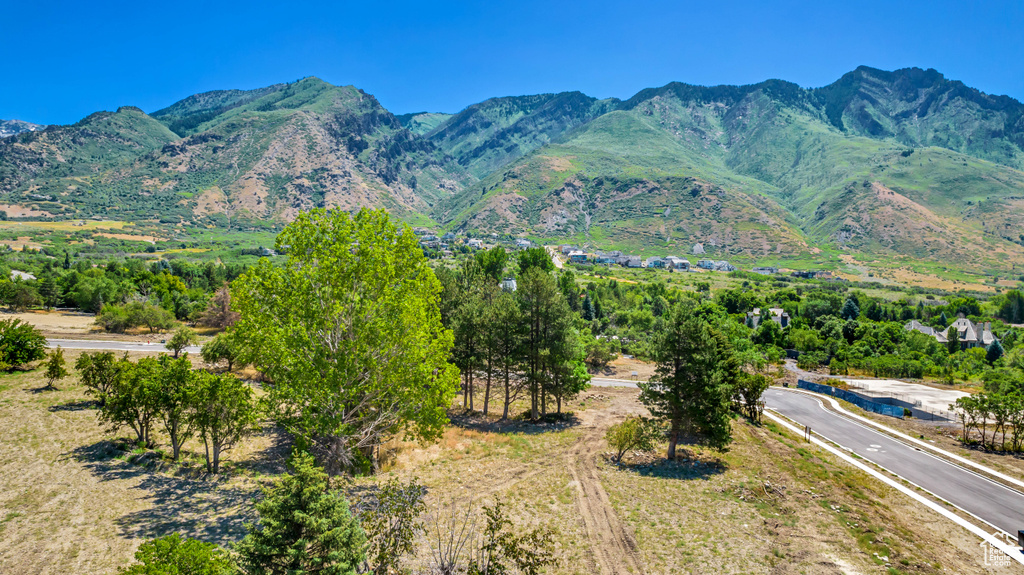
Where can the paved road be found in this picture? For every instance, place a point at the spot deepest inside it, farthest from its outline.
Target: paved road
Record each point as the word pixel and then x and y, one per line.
pixel 113 345
pixel 996 504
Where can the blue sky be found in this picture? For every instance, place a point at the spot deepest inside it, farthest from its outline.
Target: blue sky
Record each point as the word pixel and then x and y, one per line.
pixel 61 61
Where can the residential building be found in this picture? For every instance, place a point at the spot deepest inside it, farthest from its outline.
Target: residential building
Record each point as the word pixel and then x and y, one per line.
pixel 674 263
pixel 633 262
pixel 777 314
pixel 969 334
pixel 654 262
pixel 577 257
pixel 607 257
pixel 724 266
pixel 508 284
pixel 706 264
pixel 475 243
pixel 522 244
pixel 765 271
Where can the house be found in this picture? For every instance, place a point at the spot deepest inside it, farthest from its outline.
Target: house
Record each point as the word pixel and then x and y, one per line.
pixel 724 266
pixel 508 284
pixel 809 275
pixel 706 264
pixel 448 237
pixel 777 314
pixel 914 325
pixel 674 263
pixel 633 262
pixel 577 257
pixel 567 249
pixel 607 257
pixel 765 271
pixel 522 244
pixel 654 262
pixel 969 334
pixel 475 243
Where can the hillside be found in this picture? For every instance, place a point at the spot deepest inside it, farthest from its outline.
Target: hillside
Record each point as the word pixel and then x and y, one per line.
pixel 257 157
pixel 14 127
pixel 902 168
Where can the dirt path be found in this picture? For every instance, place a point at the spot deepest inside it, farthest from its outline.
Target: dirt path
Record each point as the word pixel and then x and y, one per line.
pixel 614 548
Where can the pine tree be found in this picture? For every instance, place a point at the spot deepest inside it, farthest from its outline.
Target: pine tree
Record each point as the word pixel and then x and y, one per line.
pixel 692 387
pixel 850 309
pixel 304 527
pixel 994 351
pixel 67 261
pixel 588 308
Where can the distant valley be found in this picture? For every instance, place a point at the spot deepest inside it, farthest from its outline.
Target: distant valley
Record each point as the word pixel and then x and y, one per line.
pixel 901 170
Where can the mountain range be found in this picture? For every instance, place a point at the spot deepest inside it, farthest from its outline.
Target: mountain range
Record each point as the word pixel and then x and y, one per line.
pixel 898 166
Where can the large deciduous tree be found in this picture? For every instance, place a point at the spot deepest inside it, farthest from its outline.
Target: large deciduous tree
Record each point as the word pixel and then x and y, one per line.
pixel 694 381
pixel 349 334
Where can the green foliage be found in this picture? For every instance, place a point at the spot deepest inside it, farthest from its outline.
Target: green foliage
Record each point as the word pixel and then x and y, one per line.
pixel 535 258
pixel 99 372
pixel 634 433
pixel 55 367
pixel 118 319
pixel 349 330
pixel 183 337
pixel 20 343
pixel 510 550
pixel 223 347
pixel 694 381
pixel 391 523
pixel 176 398
pixel 223 412
pixel 850 309
pixel 747 395
pixel 133 399
pixel 492 262
pixel 303 526
pixel 177 555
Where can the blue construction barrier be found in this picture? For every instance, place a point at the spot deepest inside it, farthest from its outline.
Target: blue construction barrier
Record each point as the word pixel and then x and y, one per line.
pixel 890 410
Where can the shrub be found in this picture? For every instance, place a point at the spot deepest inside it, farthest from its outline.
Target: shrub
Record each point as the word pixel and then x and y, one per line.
pixel 20 343
pixel 635 432
pixel 176 555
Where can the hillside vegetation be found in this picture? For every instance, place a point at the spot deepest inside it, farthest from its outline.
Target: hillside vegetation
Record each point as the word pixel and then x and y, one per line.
pixel 897 169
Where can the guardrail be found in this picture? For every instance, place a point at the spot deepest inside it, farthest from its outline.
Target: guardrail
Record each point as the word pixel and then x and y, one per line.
pixel 890 410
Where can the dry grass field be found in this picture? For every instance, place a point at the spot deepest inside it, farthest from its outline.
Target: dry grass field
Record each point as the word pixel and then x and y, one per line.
pixel 72 502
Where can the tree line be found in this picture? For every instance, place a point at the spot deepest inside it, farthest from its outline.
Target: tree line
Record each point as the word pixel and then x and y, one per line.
pixel 166 394
pixel 522 342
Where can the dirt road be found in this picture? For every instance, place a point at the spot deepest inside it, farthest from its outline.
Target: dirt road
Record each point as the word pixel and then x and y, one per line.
pixel 614 548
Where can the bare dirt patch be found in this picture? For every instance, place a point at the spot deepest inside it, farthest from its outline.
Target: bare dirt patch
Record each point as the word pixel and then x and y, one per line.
pixel 62 323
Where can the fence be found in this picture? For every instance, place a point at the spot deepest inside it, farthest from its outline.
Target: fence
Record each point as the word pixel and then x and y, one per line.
pixel 890 410
pixel 914 405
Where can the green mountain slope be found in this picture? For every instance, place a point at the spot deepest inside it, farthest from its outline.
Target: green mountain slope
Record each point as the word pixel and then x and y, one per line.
pixel 904 166
pixel 486 136
pixel 255 156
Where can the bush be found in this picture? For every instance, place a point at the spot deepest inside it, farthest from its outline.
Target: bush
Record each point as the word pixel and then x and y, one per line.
pixel 635 432
pixel 174 555
pixel 118 319
pixel 20 343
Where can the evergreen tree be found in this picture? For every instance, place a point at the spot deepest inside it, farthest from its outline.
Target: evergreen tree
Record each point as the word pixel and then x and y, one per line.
pixel 67 261
pixel 850 309
pixel 588 308
pixel 694 381
pixel 994 351
pixel 49 292
pixel 952 340
pixel 304 527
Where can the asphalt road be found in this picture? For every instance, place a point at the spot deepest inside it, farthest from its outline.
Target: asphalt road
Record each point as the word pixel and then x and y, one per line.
pixel 112 345
pixel 991 501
